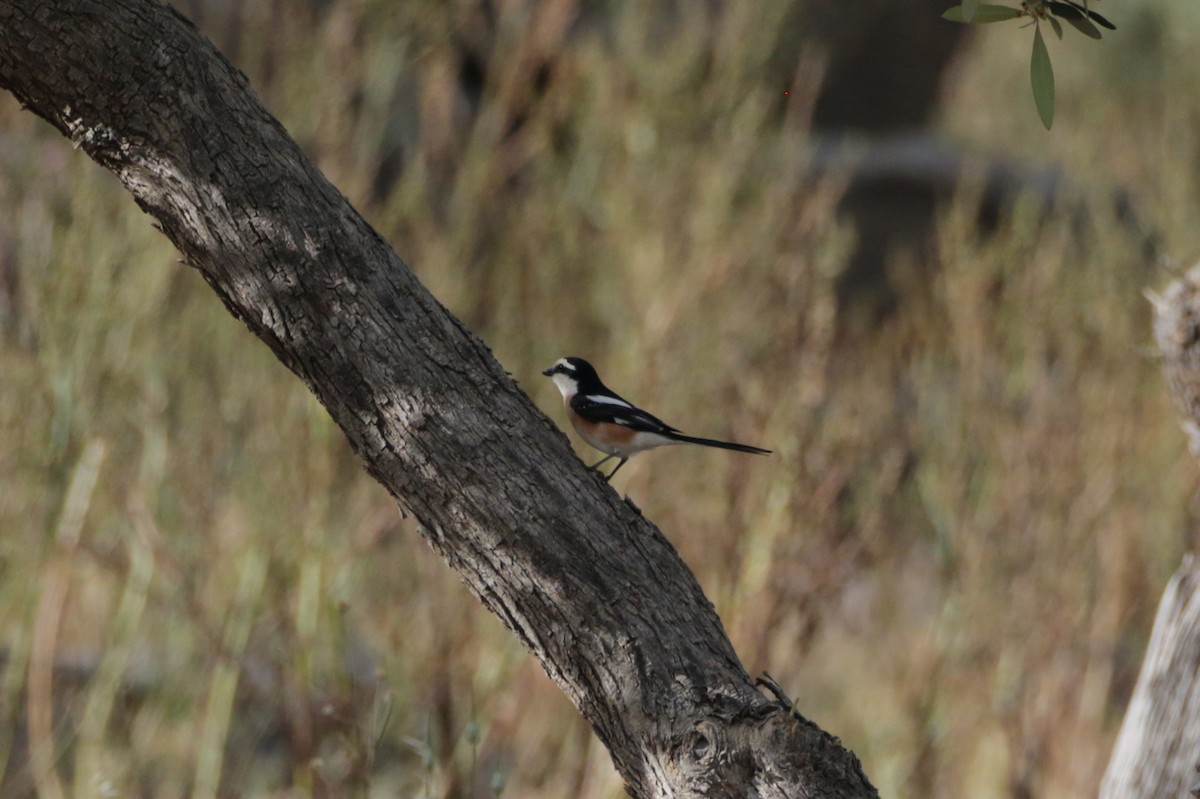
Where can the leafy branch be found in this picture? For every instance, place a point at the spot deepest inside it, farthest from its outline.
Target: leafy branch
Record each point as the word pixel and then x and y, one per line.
pixel 1041 73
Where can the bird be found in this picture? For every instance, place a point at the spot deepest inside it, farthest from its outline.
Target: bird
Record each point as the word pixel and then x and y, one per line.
pixel 612 424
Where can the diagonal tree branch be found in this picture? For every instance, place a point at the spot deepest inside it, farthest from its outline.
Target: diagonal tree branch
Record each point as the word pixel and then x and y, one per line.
pixel 592 589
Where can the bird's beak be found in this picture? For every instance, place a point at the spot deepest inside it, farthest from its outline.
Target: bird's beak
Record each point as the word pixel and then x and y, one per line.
pixel 548 372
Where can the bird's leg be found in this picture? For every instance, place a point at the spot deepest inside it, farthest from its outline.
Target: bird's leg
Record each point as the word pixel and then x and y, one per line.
pixel 602 461
pixel 614 471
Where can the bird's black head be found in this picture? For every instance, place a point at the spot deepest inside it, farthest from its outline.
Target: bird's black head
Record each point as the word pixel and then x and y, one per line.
pixel 573 375
pixel 575 368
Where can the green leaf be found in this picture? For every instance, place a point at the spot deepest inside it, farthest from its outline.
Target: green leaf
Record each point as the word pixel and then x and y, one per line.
pixel 1085 27
pixel 984 12
pixel 1105 23
pixel 969 7
pixel 1102 20
pixel 1075 17
pixel 1057 27
pixel 1041 75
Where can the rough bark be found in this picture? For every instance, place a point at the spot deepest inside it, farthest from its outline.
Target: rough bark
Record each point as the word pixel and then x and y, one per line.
pixel 1159 744
pixel 591 588
pixel 1158 749
pixel 1177 334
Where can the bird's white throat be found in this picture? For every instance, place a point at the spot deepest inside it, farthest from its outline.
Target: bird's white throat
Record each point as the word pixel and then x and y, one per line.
pixel 566 385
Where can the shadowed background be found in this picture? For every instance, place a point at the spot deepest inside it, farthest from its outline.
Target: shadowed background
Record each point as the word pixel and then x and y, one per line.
pixel 842 236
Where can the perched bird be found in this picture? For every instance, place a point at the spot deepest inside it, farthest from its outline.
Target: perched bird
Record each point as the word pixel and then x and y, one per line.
pixel 614 425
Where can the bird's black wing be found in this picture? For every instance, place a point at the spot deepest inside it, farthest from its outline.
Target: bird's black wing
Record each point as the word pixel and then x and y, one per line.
pixel 614 410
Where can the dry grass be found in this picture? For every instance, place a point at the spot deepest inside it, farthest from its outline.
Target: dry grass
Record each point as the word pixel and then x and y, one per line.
pixel 952 559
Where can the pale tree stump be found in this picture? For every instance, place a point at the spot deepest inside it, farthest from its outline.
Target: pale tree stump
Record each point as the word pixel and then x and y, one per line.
pixel 1156 752
pixel 1158 748
pixel 1177 333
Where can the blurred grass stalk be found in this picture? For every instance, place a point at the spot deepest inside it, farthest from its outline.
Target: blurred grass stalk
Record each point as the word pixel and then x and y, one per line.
pixel 214 723
pixel 55 583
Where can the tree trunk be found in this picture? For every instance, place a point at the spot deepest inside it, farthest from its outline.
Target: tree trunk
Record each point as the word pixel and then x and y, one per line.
pixel 1158 748
pixel 1159 744
pixel 591 588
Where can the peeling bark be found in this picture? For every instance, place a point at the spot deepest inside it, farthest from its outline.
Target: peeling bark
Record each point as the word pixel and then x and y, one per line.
pixel 591 588
pixel 1158 749
pixel 1177 334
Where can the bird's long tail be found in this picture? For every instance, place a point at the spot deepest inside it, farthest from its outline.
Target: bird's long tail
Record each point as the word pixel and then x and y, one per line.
pixel 710 442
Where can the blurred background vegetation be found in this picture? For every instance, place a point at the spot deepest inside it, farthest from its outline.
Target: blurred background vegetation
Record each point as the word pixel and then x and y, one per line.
pixel 839 233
